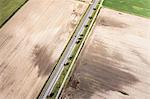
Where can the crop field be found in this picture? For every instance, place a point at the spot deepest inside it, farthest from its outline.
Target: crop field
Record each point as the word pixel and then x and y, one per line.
pixel 8 8
pixel 114 62
pixel 137 7
pixel 31 43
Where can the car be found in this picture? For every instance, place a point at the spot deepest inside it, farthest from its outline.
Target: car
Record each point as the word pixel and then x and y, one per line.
pixel 94 8
pixel 77 42
pixel 81 35
pixel 80 38
pixel 86 25
pixel 90 17
pixel 70 57
pixel 67 63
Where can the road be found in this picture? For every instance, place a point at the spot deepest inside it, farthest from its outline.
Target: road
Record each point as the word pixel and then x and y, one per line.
pixel 67 53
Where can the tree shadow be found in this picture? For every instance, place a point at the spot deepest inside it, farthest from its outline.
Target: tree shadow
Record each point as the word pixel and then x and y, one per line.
pixel 98 72
pixel 42 59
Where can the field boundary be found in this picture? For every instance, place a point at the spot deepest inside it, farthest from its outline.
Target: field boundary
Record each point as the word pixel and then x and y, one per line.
pixel 7 19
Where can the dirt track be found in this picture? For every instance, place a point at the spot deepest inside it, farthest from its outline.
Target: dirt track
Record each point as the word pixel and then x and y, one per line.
pixel 115 62
pixel 31 42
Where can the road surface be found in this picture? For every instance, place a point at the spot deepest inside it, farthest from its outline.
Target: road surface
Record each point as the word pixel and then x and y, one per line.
pixel 67 53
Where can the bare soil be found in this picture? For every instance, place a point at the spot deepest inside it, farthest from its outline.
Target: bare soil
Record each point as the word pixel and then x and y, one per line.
pixel 31 43
pixel 115 63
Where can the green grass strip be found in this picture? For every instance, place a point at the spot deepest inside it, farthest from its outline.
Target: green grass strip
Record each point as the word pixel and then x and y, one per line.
pixel 54 66
pixel 137 7
pixel 74 55
pixel 8 8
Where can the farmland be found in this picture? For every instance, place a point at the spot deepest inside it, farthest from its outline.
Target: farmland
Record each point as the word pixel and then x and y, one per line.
pixel 113 64
pixel 8 8
pixel 115 61
pixel 137 7
pixel 31 43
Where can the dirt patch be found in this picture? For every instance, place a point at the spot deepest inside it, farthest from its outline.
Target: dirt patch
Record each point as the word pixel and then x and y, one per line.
pixel 96 72
pixel 141 57
pixel 110 22
pixel 3 67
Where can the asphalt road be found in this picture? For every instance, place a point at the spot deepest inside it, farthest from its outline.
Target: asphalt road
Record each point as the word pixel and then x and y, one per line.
pixel 67 53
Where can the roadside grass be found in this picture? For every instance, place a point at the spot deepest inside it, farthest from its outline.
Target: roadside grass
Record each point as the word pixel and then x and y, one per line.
pixel 58 84
pixel 137 7
pixel 74 55
pixel 8 8
pixel 62 76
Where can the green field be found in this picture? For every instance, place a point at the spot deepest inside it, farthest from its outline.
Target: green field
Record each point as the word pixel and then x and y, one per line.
pixel 8 9
pixel 137 7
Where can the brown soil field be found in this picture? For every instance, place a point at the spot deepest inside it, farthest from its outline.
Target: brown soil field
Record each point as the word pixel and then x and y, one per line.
pixel 31 43
pixel 115 63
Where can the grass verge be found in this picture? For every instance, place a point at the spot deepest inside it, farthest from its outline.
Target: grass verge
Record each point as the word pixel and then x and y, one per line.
pixel 74 55
pixel 54 66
